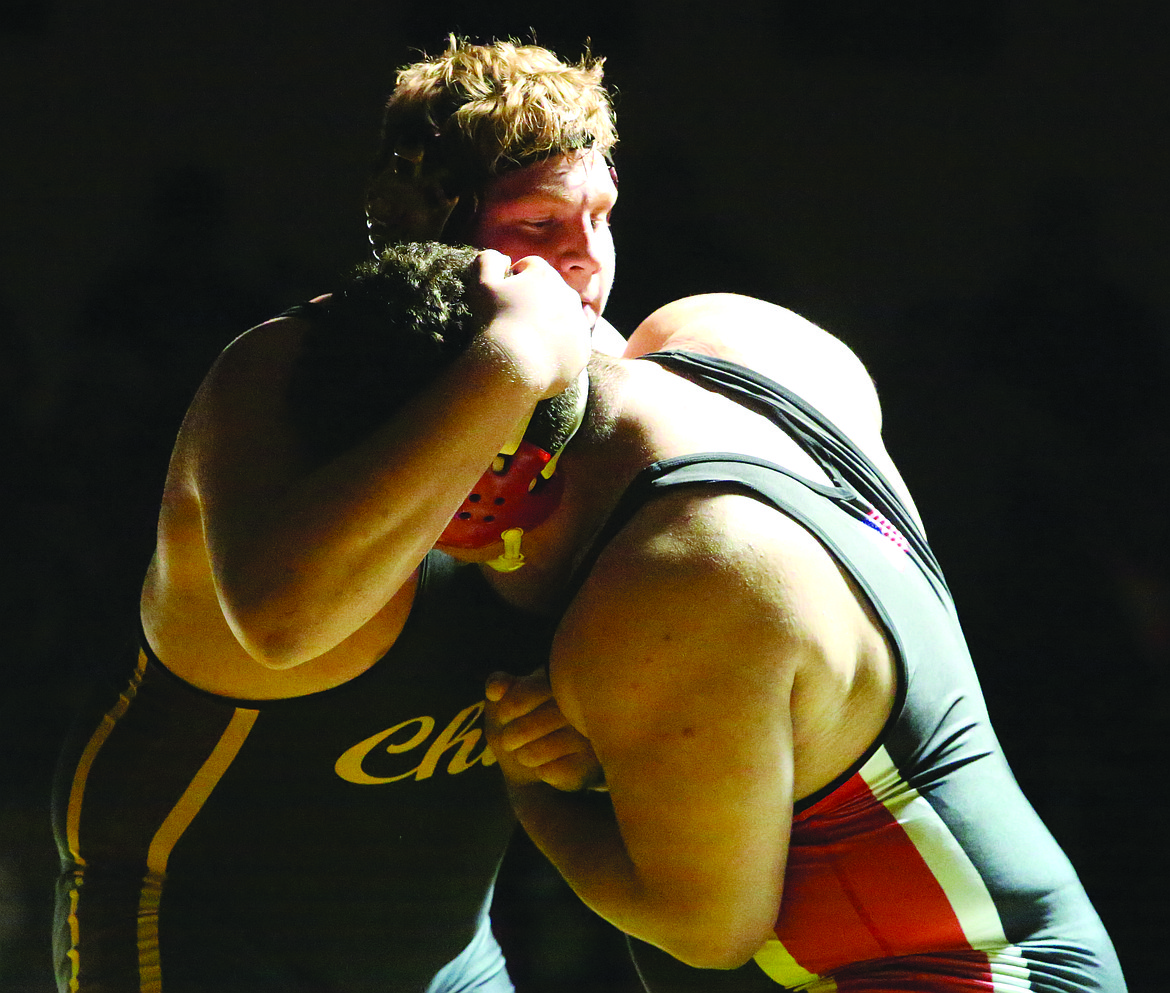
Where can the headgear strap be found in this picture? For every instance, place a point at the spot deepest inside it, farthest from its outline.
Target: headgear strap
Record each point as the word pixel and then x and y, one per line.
pixel 407 200
pixel 519 491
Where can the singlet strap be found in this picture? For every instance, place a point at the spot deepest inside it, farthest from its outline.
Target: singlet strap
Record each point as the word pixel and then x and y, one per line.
pixel 652 481
pixel 308 309
pixel 836 453
pixel 858 486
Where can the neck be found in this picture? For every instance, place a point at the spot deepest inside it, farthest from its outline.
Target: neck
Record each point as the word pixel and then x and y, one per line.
pixel 598 465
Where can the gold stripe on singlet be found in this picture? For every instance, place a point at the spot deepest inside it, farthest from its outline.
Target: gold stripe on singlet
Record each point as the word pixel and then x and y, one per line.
pixel 168 835
pixel 73 812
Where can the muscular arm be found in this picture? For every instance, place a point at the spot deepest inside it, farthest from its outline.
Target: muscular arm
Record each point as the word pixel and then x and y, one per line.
pixel 687 706
pixel 302 556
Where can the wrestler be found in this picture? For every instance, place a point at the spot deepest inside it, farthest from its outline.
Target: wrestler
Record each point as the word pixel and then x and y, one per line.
pixel 804 790
pixel 289 790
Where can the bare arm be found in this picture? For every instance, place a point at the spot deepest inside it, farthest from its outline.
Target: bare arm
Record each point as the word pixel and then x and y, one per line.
pixel 302 556
pixel 687 707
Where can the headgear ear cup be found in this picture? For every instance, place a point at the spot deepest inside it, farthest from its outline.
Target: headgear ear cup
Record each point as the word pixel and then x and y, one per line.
pixel 408 200
pixel 520 490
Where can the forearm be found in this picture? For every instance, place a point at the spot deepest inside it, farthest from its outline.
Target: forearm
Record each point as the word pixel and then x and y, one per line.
pixel 580 835
pixel 322 556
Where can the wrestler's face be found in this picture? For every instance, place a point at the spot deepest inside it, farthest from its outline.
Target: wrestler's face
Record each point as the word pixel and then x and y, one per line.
pixel 558 209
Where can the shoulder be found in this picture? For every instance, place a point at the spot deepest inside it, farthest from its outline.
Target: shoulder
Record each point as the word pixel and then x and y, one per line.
pixel 266 352
pixel 707 540
pixel 236 428
pixel 774 342
pixel 700 588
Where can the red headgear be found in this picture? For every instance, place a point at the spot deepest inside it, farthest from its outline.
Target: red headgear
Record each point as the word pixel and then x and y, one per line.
pixel 520 489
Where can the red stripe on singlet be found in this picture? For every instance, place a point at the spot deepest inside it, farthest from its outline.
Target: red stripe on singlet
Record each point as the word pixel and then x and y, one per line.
pixel 857 889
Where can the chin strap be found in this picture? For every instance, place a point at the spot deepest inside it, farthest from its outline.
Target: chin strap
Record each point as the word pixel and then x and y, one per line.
pixel 513 558
pixel 519 491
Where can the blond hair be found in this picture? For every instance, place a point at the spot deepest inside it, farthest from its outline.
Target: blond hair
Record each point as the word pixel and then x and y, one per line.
pixel 455 121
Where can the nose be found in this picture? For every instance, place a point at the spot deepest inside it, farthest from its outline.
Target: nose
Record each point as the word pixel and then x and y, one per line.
pixel 582 256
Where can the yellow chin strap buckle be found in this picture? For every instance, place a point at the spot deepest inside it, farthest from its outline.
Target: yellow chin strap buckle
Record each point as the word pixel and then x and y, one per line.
pixel 512 559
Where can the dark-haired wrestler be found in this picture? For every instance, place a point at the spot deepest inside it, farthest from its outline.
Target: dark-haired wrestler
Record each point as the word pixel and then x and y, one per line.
pixel 289 790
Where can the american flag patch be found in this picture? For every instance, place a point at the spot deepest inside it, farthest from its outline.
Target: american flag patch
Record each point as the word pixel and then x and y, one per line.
pixel 886 529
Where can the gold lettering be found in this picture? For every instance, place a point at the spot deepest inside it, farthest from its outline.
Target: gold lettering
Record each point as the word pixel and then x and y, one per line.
pixel 459 733
pixel 349 766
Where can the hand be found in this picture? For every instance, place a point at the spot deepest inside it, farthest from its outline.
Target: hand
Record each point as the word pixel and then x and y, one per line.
pixel 531 737
pixel 535 323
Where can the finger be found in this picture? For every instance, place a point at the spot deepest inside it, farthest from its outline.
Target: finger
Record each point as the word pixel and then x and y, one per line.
pixel 522 697
pixel 529 727
pixel 537 675
pixel 572 773
pixel 492 267
pixel 531 262
pixel 497 686
pixel 550 748
pixel 521 264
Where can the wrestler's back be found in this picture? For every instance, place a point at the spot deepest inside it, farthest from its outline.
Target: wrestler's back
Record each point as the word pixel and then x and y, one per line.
pixel 1051 920
pixel 787 349
pixel 845 687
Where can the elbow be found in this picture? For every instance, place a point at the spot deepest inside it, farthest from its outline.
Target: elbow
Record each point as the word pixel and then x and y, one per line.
pixel 708 954
pixel 713 927
pixel 271 649
pixel 270 643
pixel 719 946
pixel 276 657
pixel 271 630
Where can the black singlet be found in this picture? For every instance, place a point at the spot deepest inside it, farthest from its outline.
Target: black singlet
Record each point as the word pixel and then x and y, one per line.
pixel 346 840
pixel 923 866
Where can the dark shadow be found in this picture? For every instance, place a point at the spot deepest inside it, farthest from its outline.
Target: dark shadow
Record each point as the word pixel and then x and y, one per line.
pixel 148 334
pixel 80 504
pixel 1033 425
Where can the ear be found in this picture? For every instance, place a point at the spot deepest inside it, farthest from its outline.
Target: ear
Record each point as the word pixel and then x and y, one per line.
pixel 406 201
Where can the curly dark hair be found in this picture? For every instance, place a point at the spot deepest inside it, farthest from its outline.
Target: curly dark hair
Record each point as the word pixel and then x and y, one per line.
pixel 392 325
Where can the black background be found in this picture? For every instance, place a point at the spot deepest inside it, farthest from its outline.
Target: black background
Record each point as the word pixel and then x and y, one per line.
pixel 971 194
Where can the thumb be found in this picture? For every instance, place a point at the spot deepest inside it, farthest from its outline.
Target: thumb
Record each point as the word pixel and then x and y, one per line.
pixel 498 684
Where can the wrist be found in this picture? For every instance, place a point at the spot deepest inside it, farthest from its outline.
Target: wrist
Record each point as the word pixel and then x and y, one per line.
pixel 509 368
pixel 544 357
